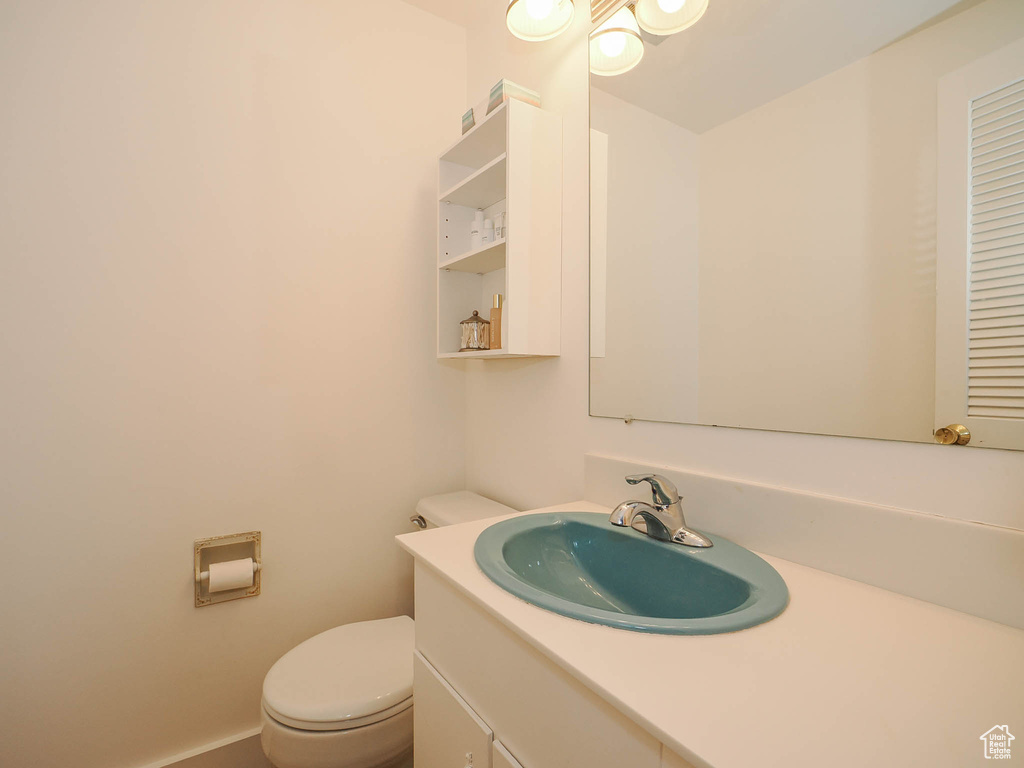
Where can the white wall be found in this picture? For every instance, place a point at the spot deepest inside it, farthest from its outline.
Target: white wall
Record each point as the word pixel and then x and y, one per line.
pixel 530 426
pixel 201 205
pixel 525 432
pixel 651 299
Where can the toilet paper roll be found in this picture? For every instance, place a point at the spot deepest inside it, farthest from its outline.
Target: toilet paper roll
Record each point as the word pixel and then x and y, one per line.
pixel 234 574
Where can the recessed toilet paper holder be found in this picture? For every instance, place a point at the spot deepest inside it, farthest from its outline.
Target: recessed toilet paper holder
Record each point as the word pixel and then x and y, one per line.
pixel 225 554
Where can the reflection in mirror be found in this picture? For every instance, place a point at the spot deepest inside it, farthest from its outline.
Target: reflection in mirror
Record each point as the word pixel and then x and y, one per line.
pixel 765 197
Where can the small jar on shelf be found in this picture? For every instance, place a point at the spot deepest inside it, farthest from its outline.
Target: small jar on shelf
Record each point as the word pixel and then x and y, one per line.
pixel 475 333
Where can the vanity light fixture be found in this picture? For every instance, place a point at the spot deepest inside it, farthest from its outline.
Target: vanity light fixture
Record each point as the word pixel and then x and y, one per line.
pixel 666 17
pixel 616 46
pixel 537 20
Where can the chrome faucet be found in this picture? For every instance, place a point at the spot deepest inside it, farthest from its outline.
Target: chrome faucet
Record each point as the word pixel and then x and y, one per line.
pixel 664 518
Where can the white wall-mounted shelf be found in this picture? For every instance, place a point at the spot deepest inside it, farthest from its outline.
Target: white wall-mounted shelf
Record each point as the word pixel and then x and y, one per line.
pixel 487 354
pixel 511 164
pixel 480 261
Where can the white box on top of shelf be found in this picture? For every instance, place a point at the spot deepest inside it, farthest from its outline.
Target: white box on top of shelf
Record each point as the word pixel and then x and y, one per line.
pixel 510 163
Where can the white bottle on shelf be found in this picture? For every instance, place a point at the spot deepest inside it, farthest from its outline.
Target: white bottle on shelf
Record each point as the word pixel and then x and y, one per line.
pixel 488 231
pixel 476 231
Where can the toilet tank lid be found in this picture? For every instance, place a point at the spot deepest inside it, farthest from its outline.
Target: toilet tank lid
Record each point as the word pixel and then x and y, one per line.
pixel 342 675
pixel 459 507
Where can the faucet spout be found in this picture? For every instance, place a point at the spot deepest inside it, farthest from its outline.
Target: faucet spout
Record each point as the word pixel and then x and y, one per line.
pixel 664 518
pixel 628 511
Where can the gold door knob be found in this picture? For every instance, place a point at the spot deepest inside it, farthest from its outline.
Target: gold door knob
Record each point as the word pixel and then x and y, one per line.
pixel 954 434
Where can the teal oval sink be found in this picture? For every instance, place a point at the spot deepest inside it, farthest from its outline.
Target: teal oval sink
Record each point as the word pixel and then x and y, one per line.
pixel 579 565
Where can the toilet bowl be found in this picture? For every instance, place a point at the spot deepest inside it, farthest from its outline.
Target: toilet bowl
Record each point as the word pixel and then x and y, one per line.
pixel 343 698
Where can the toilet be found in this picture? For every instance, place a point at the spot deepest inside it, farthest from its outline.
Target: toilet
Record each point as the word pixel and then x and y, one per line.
pixel 343 699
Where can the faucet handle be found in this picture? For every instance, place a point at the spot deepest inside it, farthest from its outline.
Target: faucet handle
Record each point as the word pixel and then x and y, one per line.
pixel 665 493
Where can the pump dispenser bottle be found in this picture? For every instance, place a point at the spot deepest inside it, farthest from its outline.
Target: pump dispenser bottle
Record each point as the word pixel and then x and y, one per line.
pixel 476 231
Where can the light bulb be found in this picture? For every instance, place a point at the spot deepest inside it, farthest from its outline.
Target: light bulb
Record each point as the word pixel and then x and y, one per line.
pixel 539 9
pixel 666 17
pixel 671 6
pixel 612 44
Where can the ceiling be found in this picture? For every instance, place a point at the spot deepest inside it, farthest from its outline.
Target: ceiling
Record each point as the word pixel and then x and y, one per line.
pixel 460 12
pixel 745 53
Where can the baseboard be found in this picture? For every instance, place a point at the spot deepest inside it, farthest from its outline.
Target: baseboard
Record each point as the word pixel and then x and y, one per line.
pixel 242 750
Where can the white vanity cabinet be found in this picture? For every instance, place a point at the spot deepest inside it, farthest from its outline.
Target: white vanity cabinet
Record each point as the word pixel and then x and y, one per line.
pixel 536 713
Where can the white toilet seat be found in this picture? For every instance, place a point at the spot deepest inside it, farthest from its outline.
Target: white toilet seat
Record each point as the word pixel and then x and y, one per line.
pixel 342 699
pixel 347 677
pixel 337 725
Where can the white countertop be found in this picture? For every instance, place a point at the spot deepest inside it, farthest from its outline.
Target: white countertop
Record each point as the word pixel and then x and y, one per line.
pixel 848 675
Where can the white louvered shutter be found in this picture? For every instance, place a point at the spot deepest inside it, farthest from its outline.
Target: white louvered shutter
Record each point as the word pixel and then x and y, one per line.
pixel 980 317
pixel 996 316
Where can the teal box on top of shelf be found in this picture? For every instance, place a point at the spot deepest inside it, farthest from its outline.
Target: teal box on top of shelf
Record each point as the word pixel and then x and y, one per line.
pixel 504 90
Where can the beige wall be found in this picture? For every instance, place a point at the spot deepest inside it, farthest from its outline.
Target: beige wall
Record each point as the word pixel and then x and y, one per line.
pixel 651 297
pixel 530 425
pixel 202 207
pixel 821 204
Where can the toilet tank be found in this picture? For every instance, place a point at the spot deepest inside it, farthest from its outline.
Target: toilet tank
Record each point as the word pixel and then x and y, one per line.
pixel 458 507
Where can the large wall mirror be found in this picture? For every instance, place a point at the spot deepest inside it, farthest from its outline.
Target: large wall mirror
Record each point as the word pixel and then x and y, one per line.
pixel 809 217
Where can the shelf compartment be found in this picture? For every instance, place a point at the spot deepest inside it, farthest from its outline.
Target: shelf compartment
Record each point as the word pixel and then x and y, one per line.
pixel 459 294
pixel 483 188
pixel 482 143
pixel 480 261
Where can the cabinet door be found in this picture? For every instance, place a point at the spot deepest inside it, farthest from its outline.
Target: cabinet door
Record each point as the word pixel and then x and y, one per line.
pixel 502 758
pixel 447 732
